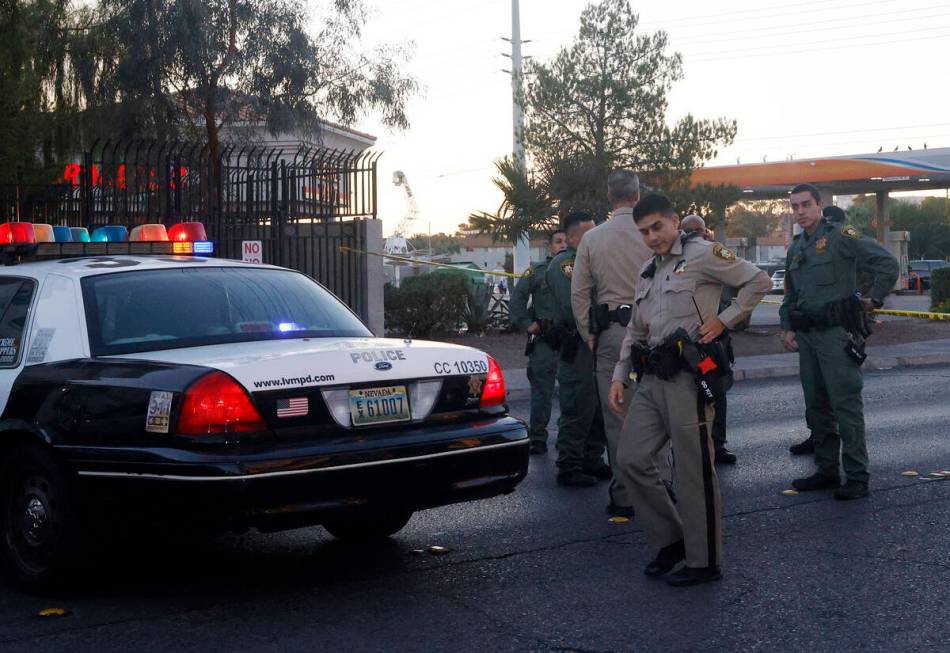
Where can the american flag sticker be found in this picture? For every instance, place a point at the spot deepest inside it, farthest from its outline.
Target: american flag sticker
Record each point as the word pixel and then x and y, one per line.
pixel 294 407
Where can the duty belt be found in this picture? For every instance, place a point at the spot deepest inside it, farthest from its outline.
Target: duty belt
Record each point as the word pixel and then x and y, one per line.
pixel 621 314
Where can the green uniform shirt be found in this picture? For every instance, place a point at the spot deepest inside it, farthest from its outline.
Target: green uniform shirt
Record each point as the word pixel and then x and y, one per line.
pixel 823 268
pixel 558 276
pixel 534 287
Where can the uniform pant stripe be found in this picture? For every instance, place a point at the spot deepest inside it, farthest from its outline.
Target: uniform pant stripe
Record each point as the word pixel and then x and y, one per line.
pixel 707 482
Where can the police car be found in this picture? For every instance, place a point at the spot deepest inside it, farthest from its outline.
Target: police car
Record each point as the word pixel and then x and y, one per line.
pixel 224 395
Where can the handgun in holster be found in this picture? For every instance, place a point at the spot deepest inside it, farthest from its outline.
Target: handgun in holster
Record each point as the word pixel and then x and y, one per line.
pixel 529 346
pixel 709 364
pixel 599 315
pixel 850 314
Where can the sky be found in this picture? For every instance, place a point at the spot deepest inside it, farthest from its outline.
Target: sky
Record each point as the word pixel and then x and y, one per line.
pixel 802 78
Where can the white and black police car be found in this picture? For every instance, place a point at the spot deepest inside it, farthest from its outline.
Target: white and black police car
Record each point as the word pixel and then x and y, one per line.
pixel 141 378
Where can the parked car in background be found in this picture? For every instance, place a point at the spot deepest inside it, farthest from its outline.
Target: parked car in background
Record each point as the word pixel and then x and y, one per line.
pixel 923 269
pixel 778 282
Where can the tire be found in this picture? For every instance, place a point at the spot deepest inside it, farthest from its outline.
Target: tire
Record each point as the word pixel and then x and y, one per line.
pixel 367 525
pixel 39 525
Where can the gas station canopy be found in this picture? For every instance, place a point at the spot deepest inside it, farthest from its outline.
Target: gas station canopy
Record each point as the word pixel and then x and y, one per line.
pixel 882 172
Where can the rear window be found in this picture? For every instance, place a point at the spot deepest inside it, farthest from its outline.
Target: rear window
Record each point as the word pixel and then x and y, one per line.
pixel 129 312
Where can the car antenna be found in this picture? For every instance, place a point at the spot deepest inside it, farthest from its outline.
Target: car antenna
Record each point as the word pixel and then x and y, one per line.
pixel 408 339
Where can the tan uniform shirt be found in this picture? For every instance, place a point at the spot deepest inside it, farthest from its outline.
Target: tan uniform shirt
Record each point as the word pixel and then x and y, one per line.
pixel 609 259
pixel 696 270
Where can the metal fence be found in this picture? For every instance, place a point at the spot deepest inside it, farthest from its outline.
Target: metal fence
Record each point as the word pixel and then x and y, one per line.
pixel 301 204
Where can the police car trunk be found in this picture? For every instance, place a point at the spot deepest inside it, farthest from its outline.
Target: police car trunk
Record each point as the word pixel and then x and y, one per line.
pixel 237 395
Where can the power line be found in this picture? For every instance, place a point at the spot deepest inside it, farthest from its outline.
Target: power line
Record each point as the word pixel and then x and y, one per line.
pixel 812 26
pixel 739 54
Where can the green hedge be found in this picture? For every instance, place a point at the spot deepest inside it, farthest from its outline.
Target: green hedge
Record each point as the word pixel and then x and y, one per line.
pixel 426 304
pixel 939 288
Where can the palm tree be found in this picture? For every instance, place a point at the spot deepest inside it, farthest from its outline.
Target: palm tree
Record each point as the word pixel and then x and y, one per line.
pixel 527 205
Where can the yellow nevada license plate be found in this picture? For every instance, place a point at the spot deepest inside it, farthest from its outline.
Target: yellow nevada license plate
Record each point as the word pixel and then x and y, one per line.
pixel 379 405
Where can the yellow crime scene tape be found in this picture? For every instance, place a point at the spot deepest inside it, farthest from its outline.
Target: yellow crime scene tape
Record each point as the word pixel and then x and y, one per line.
pixel 923 315
pixel 407 259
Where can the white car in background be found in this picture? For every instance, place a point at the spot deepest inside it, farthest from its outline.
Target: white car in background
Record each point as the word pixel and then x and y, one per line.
pixel 778 282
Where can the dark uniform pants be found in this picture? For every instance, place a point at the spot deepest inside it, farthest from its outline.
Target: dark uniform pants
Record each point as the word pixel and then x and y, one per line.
pixel 542 371
pixel 832 384
pixel 580 436
pixel 719 422
pixel 663 411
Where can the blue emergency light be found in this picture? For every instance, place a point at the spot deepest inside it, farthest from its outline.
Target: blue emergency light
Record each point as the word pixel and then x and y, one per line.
pixel 112 233
pixel 62 234
pixel 79 234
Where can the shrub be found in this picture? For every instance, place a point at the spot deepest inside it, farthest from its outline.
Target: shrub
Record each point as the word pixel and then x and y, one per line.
pixel 426 304
pixel 478 308
pixel 939 288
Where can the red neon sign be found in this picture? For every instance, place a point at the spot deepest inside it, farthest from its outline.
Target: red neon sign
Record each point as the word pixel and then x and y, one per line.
pixel 72 174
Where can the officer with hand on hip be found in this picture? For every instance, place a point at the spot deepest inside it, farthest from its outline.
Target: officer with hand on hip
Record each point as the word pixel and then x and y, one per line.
pixel 827 322
pixel 580 438
pixel 532 310
pixel 690 224
pixel 672 344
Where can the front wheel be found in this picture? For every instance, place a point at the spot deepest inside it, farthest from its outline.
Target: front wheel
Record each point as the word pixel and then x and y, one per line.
pixel 367 525
pixel 39 533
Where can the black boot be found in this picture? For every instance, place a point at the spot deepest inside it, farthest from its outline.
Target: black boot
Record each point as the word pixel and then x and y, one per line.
pixel 724 456
pixel 576 478
pixel 538 447
pixel 852 490
pixel 694 576
pixel 816 481
pixel 668 557
pixel 805 447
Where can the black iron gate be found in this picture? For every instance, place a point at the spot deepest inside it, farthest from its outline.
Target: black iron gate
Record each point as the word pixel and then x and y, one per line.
pixel 307 208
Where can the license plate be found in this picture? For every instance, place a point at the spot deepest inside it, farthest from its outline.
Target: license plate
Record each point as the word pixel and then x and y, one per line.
pixel 379 405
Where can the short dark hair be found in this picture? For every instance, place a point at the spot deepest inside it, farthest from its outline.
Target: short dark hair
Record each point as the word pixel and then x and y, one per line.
pixel 555 233
pixel 807 188
pixel 834 214
pixel 651 204
pixel 574 218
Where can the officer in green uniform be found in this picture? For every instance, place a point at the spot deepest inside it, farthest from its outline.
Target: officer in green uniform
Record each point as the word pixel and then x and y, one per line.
pixel 532 310
pixel 581 440
pixel 824 320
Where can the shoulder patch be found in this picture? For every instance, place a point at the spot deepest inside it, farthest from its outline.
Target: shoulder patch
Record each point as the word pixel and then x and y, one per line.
pixel 850 232
pixel 724 253
pixel 567 267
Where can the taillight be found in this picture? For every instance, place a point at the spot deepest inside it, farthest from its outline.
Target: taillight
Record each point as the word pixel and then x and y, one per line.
pixel 216 403
pixel 493 394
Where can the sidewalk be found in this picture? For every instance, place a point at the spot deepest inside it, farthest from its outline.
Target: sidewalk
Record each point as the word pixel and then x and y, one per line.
pixel 911 354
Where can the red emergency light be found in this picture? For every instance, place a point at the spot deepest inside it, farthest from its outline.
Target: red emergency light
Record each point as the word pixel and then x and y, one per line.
pixel 187 231
pixel 16 233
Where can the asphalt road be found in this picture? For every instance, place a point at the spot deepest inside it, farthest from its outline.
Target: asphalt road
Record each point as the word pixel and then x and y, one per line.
pixel 543 570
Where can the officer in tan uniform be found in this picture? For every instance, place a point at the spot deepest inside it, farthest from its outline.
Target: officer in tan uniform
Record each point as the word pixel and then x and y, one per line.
pixel 603 285
pixel 673 338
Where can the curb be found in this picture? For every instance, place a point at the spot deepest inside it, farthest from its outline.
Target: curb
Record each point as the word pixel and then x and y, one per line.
pixel 876 363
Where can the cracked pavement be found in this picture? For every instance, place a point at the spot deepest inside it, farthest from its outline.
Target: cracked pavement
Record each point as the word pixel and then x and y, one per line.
pixel 543 570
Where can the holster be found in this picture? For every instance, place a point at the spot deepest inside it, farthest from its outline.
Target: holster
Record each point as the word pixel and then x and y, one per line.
pixel 850 314
pixel 639 356
pixel 529 346
pixel 599 318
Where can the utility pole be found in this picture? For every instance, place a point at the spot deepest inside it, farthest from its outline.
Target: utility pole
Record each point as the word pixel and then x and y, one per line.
pixel 522 253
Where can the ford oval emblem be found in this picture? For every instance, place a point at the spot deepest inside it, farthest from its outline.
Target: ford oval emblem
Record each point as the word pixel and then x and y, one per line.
pixel 382 366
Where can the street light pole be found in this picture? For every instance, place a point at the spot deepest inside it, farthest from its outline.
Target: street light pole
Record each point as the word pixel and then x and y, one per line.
pixel 522 252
